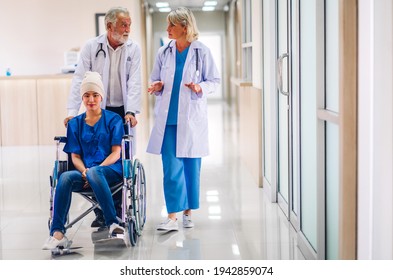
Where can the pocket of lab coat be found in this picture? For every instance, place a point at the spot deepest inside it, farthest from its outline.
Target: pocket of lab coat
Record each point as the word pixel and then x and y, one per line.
pixel 128 69
pixel 157 105
pixel 194 96
pixel 198 110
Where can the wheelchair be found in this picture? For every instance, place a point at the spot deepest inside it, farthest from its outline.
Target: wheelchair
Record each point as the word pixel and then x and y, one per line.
pixel 132 188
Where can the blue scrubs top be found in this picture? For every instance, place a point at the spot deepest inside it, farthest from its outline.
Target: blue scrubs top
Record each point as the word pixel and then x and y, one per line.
pixel 94 143
pixel 174 103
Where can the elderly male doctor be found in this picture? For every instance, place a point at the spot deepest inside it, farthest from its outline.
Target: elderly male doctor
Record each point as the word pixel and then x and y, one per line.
pixel 183 74
pixel 118 60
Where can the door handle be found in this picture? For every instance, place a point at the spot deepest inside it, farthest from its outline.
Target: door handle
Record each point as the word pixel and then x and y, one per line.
pixel 279 74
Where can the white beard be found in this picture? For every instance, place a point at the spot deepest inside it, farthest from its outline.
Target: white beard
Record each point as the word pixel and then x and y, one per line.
pixel 120 38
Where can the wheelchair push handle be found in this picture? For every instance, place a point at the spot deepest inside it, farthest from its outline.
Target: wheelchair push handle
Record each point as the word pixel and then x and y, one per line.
pixel 128 134
pixel 61 139
pixel 127 137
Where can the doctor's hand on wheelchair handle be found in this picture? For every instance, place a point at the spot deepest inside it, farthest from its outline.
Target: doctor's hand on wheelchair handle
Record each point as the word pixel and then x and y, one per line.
pixel 131 120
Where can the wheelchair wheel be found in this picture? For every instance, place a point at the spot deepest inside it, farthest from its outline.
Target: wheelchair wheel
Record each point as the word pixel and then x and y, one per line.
pixel 58 169
pixel 132 232
pixel 138 196
pixel 142 196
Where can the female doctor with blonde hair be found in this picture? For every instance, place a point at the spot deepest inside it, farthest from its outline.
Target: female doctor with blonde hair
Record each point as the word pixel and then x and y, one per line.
pixel 184 73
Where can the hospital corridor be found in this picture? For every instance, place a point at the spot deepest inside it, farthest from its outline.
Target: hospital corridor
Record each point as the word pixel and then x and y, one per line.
pixel 235 220
pixel 299 98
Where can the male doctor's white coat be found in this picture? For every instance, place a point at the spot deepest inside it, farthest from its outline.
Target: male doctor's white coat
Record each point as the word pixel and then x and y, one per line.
pixel 192 126
pixel 95 57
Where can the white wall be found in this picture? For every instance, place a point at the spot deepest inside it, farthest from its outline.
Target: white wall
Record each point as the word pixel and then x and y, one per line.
pixel 36 33
pixel 375 179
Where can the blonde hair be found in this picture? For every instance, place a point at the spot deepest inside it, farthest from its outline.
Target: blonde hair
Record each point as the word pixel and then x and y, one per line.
pixel 185 17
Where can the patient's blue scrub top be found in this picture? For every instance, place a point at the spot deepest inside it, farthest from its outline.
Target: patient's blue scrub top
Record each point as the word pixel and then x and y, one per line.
pixel 94 143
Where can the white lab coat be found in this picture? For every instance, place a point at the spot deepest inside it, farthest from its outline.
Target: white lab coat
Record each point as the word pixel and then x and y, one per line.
pixel 192 126
pixel 130 73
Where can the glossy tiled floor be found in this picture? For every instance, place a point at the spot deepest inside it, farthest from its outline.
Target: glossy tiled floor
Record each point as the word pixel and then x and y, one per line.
pixel 235 221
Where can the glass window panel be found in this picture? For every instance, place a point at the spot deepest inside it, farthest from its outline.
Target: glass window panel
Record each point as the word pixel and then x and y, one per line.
pixel 332 59
pixel 295 109
pixel 267 89
pixel 247 63
pixel 308 120
pixel 332 190
pixel 283 144
pixel 282 27
pixel 283 147
pixel 247 20
pixel 247 49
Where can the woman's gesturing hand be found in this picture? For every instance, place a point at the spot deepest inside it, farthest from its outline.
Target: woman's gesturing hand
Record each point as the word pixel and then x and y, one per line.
pixel 194 87
pixel 155 87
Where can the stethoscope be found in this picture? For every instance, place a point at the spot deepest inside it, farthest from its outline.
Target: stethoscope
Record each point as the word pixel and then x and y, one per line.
pixel 101 50
pixel 197 62
pixel 170 50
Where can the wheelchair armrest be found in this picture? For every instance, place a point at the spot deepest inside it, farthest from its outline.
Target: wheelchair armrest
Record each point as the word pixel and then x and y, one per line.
pixel 61 139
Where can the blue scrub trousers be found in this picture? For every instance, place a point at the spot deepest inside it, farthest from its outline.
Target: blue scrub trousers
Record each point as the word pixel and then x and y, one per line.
pixel 181 175
pixel 100 178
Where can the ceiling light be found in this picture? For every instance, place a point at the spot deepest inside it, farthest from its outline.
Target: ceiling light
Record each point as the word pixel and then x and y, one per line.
pixel 162 4
pixel 208 8
pixel 210 3
pixel 213 192
pixel 164 10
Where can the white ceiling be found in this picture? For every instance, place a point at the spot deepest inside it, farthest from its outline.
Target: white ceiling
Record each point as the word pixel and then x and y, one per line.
pixel 195 5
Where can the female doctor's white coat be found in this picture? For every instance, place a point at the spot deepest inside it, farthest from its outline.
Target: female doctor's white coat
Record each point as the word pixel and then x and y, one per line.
pixel 192 126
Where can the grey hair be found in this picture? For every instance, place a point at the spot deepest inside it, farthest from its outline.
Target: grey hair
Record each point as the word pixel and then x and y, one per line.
pixel 185 17
pixel 111 15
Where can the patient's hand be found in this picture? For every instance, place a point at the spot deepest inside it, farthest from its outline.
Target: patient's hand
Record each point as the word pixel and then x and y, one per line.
pixel 86 185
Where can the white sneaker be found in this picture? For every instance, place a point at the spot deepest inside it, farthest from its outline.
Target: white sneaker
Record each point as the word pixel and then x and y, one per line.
pixel 168 225
pixel 187 223
pixel 116 231
pixel 53 243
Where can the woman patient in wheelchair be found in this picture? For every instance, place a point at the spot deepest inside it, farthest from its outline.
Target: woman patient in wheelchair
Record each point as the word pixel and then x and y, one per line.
pixel 94 142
